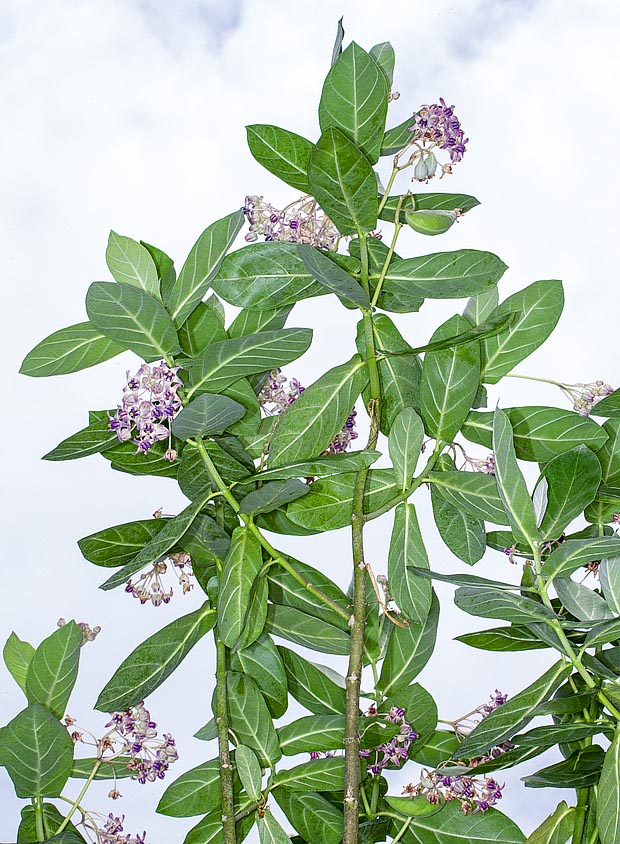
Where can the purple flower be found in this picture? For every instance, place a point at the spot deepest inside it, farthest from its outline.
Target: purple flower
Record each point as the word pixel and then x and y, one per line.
pixel 396 749
pixel 150 756
pixel 300 222
pixel 110 832
pixel 436 125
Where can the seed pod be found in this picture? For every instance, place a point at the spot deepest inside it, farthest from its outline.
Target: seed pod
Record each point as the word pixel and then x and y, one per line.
pixel 431 222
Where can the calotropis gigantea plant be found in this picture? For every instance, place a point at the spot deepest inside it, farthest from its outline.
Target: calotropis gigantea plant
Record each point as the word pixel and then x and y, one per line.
pixel 257 455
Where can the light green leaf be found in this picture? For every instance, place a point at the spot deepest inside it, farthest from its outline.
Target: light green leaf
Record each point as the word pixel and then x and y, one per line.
pixel 405 444
pixel 572 481
pixel 133 318
pixel 513 638
pixel 249 770
pixel 116 546
pixel 479 308
pixel 269 830
pixel 296 626
pixel 251 322
pixel 320 467
pixel 262 662
pixel 450 826
pixel 223 363
pixel 308 426
pixel 608 804
pixel 408 651
pixel 609 406
pixel 53 669
pixel 574 553
pixel 148 665
pixel 114 769
pixel 241 567
pixel 385 57
pixel 413 807
pixel 250 719
pixel 273 495
pixel 93 439
pixel 310 685
pixel 411 592
pixel 130 263
pixel 449 383
pixel 343 182
pixel 511 483
pixel 283 153
pixel 538 308
pixel 393 141
pixel 436 749
pixel 332 277
pixel 70 350
pixel 475 492
pixel 206 415
pixel 52 819
pixel 355 100
pixel 312 815
pixel 581 601
pixel 609 578
pixel 555 829
pixel 17 655
pixel 313 732
pixel 201 266
pixel 200 329
pixel 37 752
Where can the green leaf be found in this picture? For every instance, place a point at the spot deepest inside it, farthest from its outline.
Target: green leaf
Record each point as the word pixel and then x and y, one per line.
pixel 314 775
pixel 284 589
pixel 17 655
pixel 572 481
pixel 344 183
pixel 132 317
pixel 201 329
pixel 436 749
pixel 206 415
pixel 320 467
pixel 333 278
pixel 201 266
pixel 420 710
pixel 574 553
pixel 355 100
pixel 241 391
pixel 539 432
pixel 161 543
pixel 193 792
pixel 329 504
pixel 37 752
pixel 445 275
pixel 310 685
pixel 413 594
pixel 163 264
pixel 262 662
pixel 109 770
pixel 581 601
pixel 148 665
pixel 124 458
pixel 479 308
pixel 337 48
pixel 313 732
pixel 489 603
pixel 385 57
pixel 209 830
pixel 295 626
pixel 450 826
pixel 70 350
pixel 449 383
pixel 405 444
pixel 116 546
pixel 608 804
pixel 609 579
pixel 609 406
pixel 95 438
pixel 263 273
pixel 251 322
pixel 242 565
pixel 549 735
pixel 421 201
pixel 130 263
pixel 53 669
pixel 394 140
pixel 580 770
pixel 249 770
pixel 463 533
pixel 223 363
pixel 511 483
pixel 538 308
pixel 250 719
pixel 312 815
pixel 556 828
pixel 52 819
pixel 512 716
pixel 408 651
pixel 413 807
pixel 513 638
pixel 474 492
pixel 273 495
pixel 468 580
pixel 283 153
pixel 311 423
pixel 269 830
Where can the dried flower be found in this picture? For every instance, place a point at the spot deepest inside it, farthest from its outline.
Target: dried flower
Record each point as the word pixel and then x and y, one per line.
pixel 150 586
pixel 149 403
pixel 475 794
pixel 150 757
pixel 300 222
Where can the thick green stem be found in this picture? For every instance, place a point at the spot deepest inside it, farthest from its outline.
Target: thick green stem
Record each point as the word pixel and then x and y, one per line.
pixel 38 819
pixel 397 227
pixel 76 803
pixel 581 813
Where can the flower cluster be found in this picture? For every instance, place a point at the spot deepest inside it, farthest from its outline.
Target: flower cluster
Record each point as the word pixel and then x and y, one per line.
pixel 150 586
pixel 111 832
pixel 89 634
pixel 436 125
pixel 278 393
pixel 466 723
pixel 396 750
pixel 150 757
pixel 486 465
pixel 475 794
pixel 585 396
pixel 300 222
pixel 149 403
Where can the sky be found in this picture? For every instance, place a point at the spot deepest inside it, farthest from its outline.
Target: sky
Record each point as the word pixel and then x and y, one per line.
pixel 130 115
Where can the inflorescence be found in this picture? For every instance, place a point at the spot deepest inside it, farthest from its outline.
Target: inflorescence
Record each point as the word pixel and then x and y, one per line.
pixel 149 403
pixel 112 832
pixel 150 587
pixel 585 396
pixel 436 126
pixel 150 757
pixel 278 393
pixel 89 634
pixel 476 794
pixel 300 222
pixel 396 750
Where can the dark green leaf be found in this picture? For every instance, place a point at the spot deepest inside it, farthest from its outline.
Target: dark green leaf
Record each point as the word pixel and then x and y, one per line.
pixel 148 665
pixel 333 278
pixel 163 264
pixel 581 601
pixel 272 495
pixel 96 437
pixel 311 686
pixel 609 406
pixel 393 141
pixel 312 815
pixel 70 350
pixel 109 770
pixel 580 770
pixel 315 775
pixel 251 322
pixel 384 56
pixel 250 719
pixel 436 749
pixel 53 669
pixel 420 710
pixel 608 804
pixel 511 483
pixel 284 588
pixel 241 567
pixel 479 308
pixel 131 263
pixel 355 100
pixel 412 593
pixel 474 492
pixel 295 626
pixel 37 752
pixel 210 831
pixel 463 533
pixel 513 638
pixel 572 481
pixel 124 458
pixel 249 770
pixel 538 308
pixel 269 830
pixel 201 266
pixel 337 48
pixel 52 819
pixel 343 182
pixel 17 655
pixel 574 553
pixel 405 445
pixel 552 734
pixel 313 732
pixel 467 580
pixel 414 807
pixel 201 329
pixel 262 662
pixel 489 603
pixel 193 792
pixel 205 416
pixel 133 318
pixel 283 153
pixel 408 651
pixel 320 467
pixel 116 546
pixel 609 578
pixel 450 826
pixel 555 829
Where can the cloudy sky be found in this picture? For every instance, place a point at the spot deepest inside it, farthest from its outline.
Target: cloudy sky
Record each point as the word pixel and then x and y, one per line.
pixel 130 115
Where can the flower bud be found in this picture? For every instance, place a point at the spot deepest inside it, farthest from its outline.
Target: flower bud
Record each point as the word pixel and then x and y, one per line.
pixel 431 222
pixel 431 165
pixel 420 171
